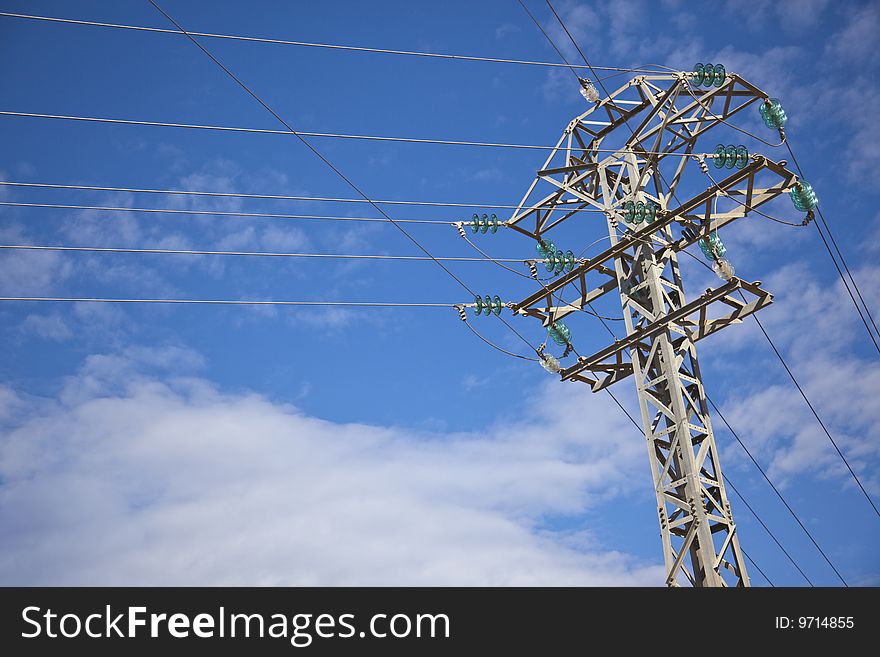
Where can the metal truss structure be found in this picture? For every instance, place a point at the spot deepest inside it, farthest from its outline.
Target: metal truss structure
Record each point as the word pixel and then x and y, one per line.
pixel 636 145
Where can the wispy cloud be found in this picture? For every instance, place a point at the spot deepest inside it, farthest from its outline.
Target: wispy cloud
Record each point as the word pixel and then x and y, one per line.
pixel 187 485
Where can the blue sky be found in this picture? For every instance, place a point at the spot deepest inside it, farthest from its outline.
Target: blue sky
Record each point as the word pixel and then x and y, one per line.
pixel 201 445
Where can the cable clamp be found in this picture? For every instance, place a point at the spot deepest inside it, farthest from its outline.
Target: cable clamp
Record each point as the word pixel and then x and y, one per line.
pixel 462 312
pixel 460 226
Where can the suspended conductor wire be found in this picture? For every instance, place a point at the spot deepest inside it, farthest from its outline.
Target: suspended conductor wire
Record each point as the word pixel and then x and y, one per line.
pixel 492 344
pixel 776 490
pixel 218 213
pixel 259 254
pixel 839 253
pixel 558 51
pixel 270 131
pixel 235 302
pixel 320 135
pixel 272 197
pixel 818 419
pixel 308 44
pixel 320 156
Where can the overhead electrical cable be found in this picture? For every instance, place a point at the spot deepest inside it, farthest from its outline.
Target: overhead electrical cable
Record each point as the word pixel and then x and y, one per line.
pixel 818 419
pixel 327 162
pixel 281 197
pixel 839 254
pixel 270 131
pixel 308 44
pixel 235 302
pixel 219 213
pixel 319 135
pixel 263 254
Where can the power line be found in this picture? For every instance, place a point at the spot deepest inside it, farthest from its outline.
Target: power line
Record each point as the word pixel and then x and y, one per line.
pixel 776 490
pixel 282 197
pixel 236 302
pixel 323 135
pixel 258 215
pixel 270 131
pixel 264 254
pixel 818 419
pixel 842 259
pixel 309 44
pixel 552 43
pixel 771 534
pixel 320 156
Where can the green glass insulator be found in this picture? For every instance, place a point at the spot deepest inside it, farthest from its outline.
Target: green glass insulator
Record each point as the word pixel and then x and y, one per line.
pixel 559 333
pixel 487 305
pixel 712 247
pixel 708 75
pixel 803 196
pixel 475 223
pixel 742 156
pixel 720 75
pixel 478 305
pixel 698 74
pixel 550 261
pixel 558 261
pixel 640 212
pixel 629 211
pixel 650 212
pixel 706 248
pixel 484 224
pixel 563 331
pixel 497 305
pixel 720 153
pixel 545 247
pixel 569 261
pixel 493 222
pixel 773 115
pixel 730 156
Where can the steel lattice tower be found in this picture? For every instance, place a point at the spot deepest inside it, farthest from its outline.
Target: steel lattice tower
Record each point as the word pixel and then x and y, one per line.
pixel 648 125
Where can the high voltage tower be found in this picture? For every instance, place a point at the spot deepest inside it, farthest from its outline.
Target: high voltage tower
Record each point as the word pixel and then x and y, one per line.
pixel 634 183
pixel 628 159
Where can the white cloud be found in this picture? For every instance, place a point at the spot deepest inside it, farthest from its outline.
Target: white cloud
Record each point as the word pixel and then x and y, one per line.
pixel 793 16
pixel 127 480
pixel 48 327
pixel 26 273
pixel 506 30
pixel 857 40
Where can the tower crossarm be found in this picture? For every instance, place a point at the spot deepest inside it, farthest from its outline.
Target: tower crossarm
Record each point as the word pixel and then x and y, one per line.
pixel 761 181
pixel 692 321
pixel 663 122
